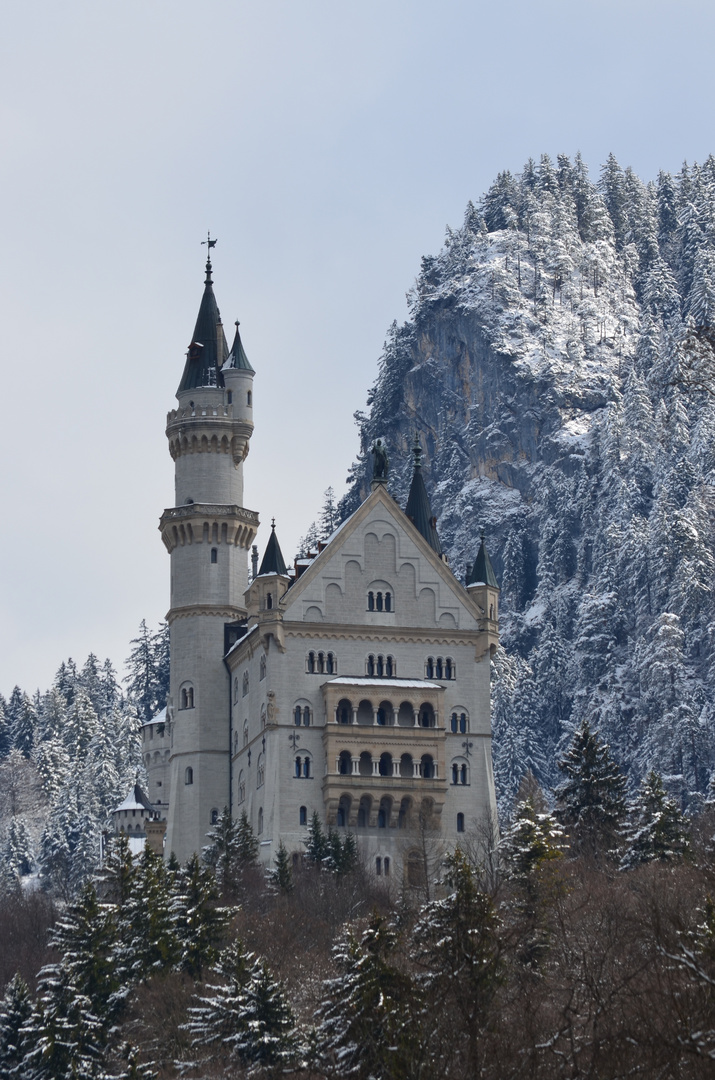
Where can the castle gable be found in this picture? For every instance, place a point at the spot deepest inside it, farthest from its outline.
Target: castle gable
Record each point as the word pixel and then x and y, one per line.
pixel 379 571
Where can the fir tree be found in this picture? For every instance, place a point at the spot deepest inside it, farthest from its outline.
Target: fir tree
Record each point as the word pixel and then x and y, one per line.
pixel 657 830
pixel 246 842
pixel 16 1009
pixel 282 872
pixel 199 922
pixel 365 1020
pixel 591 802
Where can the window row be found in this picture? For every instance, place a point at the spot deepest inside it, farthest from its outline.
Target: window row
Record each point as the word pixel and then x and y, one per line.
pixel 385 814
pixel 379 601
pixel 302 768
pixel 459 723
pixel 382 865
pixel 384 667
pixel 406 766
pixel 460 773
pixel 385 714
pixel 440 668
pixel 321 663
pixel 301 716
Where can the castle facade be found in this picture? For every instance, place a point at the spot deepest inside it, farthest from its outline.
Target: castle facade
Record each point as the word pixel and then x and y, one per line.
pixel 354 684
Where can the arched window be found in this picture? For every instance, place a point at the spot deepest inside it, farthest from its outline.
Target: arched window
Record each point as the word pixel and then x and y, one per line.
pixel 303 816
pixel 344 712
pixel 448 668
pixel 426 716
pixel 306 717
pixel 386 864
pixel 380 666
pixel 378 866
pixel 381 819
pixel 261 770
pixel 429 668
pixel 262 668
pixel 428 769
pixel 381 717
pixel 311 663
pixel 306 767
pixel 459 723
pixel 385 766
pixel 463 774
pixel 235 689
pixel 297 712
pixel 370 601
pixel 241 787
pixel 260 821
pixel 438 667
pixel 371 665
pixel 321 663
pixel 298 764
pixel 245 683
pixel 378 601
pixel 388 601
pixel 460 822
pixel 390 667
pixel 214 555
pixel 188 775
pixel 245 732
pixel 269 600
pixel 340 820
pixel 455 774
pixel 190 698
pixel 214 817
pixel 330 664
pixel 345 763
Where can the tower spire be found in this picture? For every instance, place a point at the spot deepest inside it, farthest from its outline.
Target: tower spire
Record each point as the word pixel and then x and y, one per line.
pixel 208 350
pixel 418 507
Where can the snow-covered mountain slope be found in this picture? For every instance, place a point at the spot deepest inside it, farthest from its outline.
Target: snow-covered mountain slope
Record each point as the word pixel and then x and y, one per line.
pixel 557 366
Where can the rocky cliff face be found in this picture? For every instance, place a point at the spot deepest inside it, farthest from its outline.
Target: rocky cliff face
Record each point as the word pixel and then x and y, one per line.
pixel 547 367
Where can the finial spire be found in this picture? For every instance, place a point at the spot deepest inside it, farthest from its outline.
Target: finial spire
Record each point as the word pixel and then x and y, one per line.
pixel 210 244
pixel 417 451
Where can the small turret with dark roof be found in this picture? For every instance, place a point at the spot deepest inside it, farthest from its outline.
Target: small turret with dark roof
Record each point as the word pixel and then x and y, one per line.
pixel 237 358
pixel 418 507
pixel 273 562
pixel 482 572
pixel 208 350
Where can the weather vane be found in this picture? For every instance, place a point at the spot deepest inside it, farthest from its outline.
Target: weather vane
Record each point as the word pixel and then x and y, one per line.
pixel 211 243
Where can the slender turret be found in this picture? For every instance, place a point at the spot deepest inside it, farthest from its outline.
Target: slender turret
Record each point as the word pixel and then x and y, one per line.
pixel 208 534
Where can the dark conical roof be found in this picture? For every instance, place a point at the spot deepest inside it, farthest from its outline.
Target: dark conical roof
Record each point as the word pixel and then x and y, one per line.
pixel 237 357
pixel 418 507
pixel 208 349
pixel 273 562
pixel 482 573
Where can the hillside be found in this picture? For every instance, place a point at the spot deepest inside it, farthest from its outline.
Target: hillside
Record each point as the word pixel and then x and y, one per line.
pixel 557 364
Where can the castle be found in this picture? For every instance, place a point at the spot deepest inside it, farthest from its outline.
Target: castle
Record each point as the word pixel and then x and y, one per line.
pixel 355 684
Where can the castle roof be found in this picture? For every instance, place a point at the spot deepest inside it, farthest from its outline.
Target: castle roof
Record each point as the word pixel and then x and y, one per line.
pixel 135 800
pixel 273 562
pixel 482 573
pixel 237 357
pixel 208 350
pixel 418 507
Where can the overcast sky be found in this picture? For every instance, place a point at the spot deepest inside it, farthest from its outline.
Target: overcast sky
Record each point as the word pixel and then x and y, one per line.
pixel 326 144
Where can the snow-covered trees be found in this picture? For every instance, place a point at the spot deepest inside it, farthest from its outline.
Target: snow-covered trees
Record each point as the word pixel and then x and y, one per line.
pixel 591 800
pixel 658 830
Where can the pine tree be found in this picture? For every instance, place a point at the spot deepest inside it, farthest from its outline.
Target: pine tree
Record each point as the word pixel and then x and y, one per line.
pixel 17 849
pixel 328 520
pixel 150 933
pixel 317 844
pixel 456 942
pixel 591 802
pixel 219 1016
pixel 246 842
pixel 16 1009
pixel 267 1036
pixel 366 1019
pixel 85 937
pixel 199 922
pixel 64 1036
pixel 221 854
pixel 657 828
pixel 282 872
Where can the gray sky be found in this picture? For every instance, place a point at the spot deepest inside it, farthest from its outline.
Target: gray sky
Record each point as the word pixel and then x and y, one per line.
pixel 326 144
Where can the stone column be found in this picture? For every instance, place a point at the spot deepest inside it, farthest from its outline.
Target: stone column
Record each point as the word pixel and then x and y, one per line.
pixel 356 765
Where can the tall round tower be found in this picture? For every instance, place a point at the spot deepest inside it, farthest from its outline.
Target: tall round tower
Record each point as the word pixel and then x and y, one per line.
pixel 208 534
